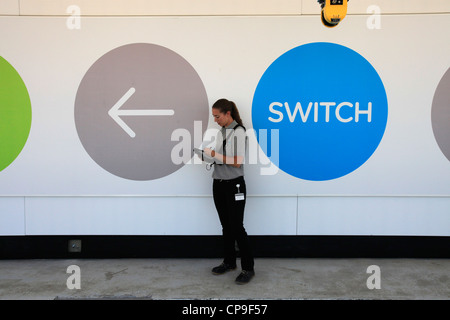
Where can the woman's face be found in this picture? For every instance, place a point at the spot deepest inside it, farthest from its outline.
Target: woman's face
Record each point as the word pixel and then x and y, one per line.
pixel 222 119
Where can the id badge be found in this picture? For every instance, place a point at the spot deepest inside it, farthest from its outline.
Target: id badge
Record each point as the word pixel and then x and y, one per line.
pixel 239 197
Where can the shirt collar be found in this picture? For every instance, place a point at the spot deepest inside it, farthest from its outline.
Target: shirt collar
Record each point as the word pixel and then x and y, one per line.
pixel 232 125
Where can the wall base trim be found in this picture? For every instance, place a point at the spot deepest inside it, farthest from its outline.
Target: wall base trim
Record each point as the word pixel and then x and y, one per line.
pixel 99 247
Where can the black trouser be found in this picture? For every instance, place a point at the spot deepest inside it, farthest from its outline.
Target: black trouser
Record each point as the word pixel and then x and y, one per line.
pixel 231 215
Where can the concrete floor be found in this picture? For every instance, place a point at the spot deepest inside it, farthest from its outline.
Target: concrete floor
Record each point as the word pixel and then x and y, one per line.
pixel 191 279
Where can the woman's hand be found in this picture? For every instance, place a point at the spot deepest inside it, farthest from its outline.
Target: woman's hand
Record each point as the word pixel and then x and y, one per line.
pixel 209 152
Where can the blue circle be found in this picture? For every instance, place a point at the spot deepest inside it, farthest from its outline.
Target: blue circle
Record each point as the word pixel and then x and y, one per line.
pixel 329 106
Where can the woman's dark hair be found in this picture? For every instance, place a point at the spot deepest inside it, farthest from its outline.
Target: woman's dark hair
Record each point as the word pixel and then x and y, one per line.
pixel 224 105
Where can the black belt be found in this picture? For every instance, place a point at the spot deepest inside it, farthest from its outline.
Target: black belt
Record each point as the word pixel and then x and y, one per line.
pixel 230 180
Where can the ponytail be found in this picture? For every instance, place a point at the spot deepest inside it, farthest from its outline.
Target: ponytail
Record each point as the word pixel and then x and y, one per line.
pixel 235 114
pixel 224 105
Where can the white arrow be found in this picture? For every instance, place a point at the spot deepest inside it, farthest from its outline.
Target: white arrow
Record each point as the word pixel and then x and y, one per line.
pixel 115 113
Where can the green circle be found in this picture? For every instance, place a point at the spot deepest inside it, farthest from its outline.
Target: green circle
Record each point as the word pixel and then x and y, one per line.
pixel 15 114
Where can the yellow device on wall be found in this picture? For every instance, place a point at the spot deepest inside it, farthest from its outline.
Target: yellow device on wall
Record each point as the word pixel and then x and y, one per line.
pixel 333 12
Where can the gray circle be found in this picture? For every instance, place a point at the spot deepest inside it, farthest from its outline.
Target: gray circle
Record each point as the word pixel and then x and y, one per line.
pixel 128 104
pixel 440 114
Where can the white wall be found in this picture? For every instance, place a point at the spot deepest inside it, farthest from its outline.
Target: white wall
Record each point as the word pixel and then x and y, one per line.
pixel 54 187
pixel 207 7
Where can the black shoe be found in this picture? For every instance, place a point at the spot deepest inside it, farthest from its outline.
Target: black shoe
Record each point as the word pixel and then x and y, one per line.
pixel 224 267
pixel 245 277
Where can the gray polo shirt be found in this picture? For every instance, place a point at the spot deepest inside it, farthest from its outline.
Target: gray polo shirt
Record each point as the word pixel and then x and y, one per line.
pixel 235 146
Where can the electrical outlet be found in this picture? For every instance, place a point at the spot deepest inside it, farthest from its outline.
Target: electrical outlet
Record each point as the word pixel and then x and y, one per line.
pixel 74 245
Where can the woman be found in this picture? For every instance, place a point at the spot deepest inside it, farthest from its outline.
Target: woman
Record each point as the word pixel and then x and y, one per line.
pixel 229 189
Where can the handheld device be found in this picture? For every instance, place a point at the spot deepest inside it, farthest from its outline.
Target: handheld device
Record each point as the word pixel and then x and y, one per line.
pixel 198 152
pixel 333 12
pixel 203 156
